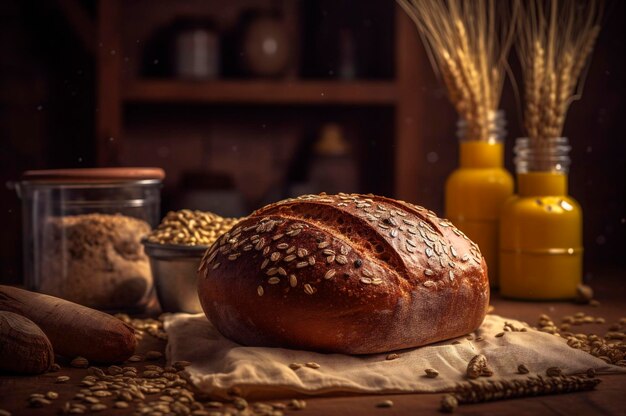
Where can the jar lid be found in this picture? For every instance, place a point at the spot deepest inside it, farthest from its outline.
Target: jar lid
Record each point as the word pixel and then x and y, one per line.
pixel 94 175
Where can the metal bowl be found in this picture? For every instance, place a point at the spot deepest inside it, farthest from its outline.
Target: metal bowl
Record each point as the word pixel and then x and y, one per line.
pixel 174 269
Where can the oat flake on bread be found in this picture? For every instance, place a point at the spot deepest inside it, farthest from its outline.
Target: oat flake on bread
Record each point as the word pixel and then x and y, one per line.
pixel 354 274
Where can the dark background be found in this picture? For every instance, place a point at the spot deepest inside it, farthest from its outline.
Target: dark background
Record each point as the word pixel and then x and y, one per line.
pixel 48 112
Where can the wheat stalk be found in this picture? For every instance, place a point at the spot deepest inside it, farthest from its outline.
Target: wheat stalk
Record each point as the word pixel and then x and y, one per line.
pixel 486 391
pixel 467 43
pixel 555 40
pixel 585 53
pixel 533 79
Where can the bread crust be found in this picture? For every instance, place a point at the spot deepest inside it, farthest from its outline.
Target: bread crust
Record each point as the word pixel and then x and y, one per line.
pixel 354 274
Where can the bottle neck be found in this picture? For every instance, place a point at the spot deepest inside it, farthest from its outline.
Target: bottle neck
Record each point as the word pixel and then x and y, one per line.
pixel 542 166
pixel 542 184
pixel 477 154
pixel 481 144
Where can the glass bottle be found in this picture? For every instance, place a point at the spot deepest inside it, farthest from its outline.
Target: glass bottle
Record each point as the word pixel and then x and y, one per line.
pixel 541 227
pixel 476 191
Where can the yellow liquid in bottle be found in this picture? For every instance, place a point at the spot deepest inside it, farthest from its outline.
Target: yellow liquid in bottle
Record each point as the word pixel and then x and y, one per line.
pixel 541 239
pixel 475 194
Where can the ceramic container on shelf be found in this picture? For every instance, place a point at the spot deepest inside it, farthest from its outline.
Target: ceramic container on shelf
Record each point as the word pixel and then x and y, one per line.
pixel 541 227
pixel 266 48
pixel 333 167
pixel 476 191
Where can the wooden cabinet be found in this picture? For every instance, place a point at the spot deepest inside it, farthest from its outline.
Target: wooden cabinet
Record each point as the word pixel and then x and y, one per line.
pixel 389 107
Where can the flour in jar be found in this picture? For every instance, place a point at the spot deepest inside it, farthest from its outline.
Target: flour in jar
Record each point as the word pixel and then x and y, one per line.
pixel 96 260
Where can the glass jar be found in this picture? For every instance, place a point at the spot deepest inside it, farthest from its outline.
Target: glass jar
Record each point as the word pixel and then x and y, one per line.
pixel 196 50
pixel 476 191
pixel 82 230
pixel 541 227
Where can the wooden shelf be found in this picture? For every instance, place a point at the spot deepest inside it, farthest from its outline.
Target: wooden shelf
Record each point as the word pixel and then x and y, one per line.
pixel 262 92
pixel 120 24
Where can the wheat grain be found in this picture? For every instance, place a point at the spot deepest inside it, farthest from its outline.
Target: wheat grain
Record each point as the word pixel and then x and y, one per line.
pixel 458 91
pixel 564 87
pixel 555 40
pixel 584 53
pixel 485 391
pixel 467 43
pixel 534 79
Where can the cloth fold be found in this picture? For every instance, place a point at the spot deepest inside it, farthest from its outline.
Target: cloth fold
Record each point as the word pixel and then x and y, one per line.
pixel 219 364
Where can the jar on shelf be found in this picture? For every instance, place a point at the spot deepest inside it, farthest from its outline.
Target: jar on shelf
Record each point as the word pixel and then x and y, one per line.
pixel 82 231
pixel 333 166
pixel 476 191
pixel 196 50
pixel 265 44
pixel 541 227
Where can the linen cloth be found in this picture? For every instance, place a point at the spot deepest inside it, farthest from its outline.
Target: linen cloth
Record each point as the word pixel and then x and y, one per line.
pixel 219 364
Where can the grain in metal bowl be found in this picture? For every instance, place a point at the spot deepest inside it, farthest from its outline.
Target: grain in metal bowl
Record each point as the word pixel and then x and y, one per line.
pixel 175 249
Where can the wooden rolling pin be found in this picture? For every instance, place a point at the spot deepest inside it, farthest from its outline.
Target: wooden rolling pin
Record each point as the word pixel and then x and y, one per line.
pixel 74 330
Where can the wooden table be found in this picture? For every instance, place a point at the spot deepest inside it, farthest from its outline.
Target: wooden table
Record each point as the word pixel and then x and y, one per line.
pixel 607 399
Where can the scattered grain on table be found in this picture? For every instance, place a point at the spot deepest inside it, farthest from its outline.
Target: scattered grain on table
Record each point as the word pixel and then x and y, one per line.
pixel 153 355
pixel 431 373
pixel 385 404
pixel 79 362
pixel 449 403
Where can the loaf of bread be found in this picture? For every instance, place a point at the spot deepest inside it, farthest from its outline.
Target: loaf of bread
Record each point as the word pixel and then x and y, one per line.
pixel 354 274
